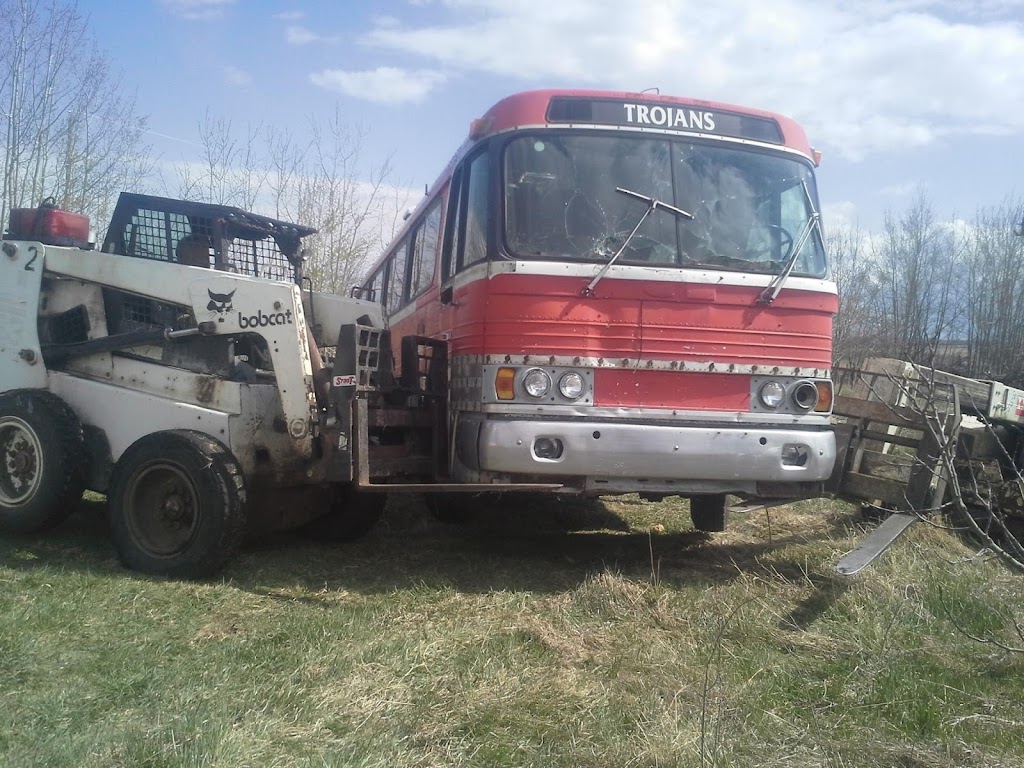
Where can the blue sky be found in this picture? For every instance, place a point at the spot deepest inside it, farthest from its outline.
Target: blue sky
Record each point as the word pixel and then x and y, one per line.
pixel 901 95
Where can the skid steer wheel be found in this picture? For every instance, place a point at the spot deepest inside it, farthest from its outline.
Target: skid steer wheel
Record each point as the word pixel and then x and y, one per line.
pixel 350 515
pixel 177 505
pixel 42 461
pixel 707 512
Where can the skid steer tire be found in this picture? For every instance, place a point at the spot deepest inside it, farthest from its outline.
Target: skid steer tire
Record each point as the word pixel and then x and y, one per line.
pixel 177 505
pixel 42 461
pixel 707 512
pixel 350 515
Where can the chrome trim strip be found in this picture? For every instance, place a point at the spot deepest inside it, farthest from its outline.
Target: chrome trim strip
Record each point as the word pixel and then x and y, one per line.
pixel 679 275
pixel 685 366
pixel 589 414
pixel 661 131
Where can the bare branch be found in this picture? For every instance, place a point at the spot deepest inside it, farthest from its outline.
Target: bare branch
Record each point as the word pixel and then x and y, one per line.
pixel 995 642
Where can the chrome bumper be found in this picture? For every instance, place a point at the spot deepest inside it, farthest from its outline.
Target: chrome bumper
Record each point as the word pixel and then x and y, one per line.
pixel 615 450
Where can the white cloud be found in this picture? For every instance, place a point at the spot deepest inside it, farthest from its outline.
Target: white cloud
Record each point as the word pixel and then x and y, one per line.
pixel 290 16
pixel 236 76
pixel 197 10
pixel 959 229
pixel 841 214
pixel 902 189
pixel 386 21
pixel 867 77
pixel 385 85
pixel 295 35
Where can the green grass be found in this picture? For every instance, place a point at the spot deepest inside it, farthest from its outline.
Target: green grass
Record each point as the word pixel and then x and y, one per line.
pixel 547 633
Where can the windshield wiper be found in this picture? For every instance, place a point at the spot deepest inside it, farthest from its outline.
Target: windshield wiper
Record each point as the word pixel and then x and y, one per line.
pixel 771 291
pixel 652 204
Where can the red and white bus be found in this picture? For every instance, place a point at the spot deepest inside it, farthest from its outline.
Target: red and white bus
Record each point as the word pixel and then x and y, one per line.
pixel 635 296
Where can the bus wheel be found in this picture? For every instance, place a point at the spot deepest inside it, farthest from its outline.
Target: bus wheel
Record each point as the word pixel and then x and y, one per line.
pixel 42 469
pixel 350 515
pixel 708 512
pixel 458 508
pixel 177 505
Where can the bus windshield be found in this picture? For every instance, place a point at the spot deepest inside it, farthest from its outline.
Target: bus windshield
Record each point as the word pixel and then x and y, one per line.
pixel 751 209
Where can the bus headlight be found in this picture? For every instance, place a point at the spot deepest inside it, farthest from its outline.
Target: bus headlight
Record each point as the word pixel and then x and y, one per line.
pixel 804 395
pixel 772 394
pixel 571 385
pixel 536 383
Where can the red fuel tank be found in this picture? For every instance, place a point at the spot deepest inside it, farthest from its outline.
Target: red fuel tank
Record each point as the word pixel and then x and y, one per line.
pixel 49 225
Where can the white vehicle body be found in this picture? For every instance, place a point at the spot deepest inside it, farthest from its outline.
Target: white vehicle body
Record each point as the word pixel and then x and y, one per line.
pixel 195 397
pixel 127 397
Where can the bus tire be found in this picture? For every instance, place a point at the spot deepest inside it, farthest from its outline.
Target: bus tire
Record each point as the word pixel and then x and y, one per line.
pixel 176 505
pixel 707 512
pixel 350 515
pixel 42 461
pixel 458 508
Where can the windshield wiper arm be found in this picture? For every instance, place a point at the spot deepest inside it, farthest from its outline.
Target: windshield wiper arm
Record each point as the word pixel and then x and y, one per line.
pixel 652 204
pixel 771 291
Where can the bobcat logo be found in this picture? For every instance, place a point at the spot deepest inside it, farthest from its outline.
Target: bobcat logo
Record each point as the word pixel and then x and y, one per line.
pixel 220 303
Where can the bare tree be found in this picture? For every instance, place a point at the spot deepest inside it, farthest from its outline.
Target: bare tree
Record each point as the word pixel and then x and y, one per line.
pixel 69 130
pixel 231 171
pixel 856 333
pixel 995 295
pixel 321 183
pixel 349 213
pixel 919 278
pixel 285 159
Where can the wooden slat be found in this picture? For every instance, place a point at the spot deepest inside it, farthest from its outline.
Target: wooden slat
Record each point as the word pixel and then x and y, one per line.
pixel 879 412
pixel 869 488
pixel 885 437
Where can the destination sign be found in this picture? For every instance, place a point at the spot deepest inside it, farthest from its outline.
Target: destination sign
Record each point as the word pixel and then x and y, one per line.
pixel 673 117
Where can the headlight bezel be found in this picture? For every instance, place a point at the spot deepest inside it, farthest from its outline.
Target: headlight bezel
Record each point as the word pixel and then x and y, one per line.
pixel 493 394
pixel 799 392
pixel 772 395
pixel 532 376
pixel 577 379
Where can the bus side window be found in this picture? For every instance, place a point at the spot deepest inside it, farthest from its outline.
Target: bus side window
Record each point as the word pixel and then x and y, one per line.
pixel 477 190
pixel 377 287
pixel 424 251
pixel 465 236
pixel 398 279
pixel 453 220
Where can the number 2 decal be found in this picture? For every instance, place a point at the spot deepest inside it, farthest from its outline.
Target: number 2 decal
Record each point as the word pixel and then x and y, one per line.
pixel 35 255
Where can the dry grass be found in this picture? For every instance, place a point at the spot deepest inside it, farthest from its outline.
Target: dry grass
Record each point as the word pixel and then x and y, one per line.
pixel 547 633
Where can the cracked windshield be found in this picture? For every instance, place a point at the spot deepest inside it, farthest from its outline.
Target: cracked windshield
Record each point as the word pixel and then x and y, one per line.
pixel 752 211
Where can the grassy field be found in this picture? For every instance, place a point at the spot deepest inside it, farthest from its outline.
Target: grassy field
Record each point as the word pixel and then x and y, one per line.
pixel 545 634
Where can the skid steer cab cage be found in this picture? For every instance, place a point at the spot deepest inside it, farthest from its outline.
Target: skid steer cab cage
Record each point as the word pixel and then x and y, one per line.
pixel 205 235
